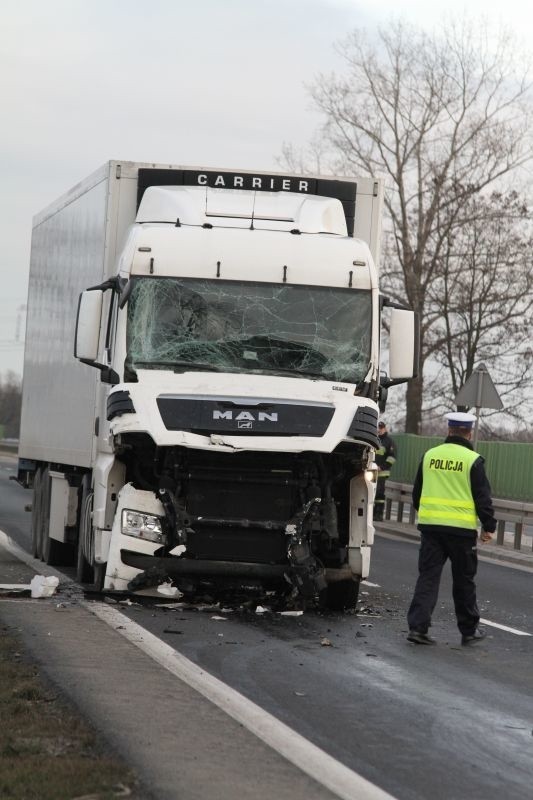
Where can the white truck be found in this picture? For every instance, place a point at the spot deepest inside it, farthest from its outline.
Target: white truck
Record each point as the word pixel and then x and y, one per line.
pixel 202 378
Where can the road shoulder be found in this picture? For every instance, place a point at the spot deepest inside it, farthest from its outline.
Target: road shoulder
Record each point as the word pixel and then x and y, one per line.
pixel 181 745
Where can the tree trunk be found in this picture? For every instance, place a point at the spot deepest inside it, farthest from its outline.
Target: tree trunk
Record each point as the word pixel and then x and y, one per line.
pixel 413 405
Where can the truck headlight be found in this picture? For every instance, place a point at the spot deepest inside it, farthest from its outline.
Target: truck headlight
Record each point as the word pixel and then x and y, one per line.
pixel 371 475
pixel 143 526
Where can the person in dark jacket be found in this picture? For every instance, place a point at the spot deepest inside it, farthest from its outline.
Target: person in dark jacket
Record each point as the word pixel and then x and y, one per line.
pixel 385 458
pixel 450 493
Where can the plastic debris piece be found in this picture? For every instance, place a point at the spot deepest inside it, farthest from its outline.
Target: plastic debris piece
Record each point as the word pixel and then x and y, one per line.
pixel 300 694
pixel 168 590
pixel 42 586
pixel 15 588
pixel 325 642
pixel 261 610
pixel 178 550
pixel 215 616
pixel 291 613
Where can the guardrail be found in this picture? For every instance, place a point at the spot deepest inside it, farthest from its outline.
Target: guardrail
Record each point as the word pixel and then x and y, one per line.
pixel 507 512
pixel 8 446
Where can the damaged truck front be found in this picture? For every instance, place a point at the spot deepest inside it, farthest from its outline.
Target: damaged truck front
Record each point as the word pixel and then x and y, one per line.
pixel 236 340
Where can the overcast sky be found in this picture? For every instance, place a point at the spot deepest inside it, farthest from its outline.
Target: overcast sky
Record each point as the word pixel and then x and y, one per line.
pixel 200 82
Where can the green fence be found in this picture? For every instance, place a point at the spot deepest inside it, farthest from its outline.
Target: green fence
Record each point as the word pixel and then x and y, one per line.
pixel 509 465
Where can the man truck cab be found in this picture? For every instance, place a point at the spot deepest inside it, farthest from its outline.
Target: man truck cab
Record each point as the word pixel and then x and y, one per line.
pixel 233 345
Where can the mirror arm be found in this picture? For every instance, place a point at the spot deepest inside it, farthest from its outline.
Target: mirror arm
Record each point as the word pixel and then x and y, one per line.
pixel 117 284
pixel 388 382
pixel 108 375
pixel 386 302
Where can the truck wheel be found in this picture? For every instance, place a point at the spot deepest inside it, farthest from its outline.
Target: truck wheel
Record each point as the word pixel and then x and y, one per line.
pixel 341 595
pixel 87 572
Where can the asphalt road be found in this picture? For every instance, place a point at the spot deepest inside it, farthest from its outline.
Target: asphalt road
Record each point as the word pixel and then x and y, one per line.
pixel 445 722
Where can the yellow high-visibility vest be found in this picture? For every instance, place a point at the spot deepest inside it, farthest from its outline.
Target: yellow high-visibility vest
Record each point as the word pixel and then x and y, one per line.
pixel 446 497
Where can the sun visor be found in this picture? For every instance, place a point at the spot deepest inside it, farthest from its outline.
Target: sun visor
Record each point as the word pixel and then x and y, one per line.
pixel 197 205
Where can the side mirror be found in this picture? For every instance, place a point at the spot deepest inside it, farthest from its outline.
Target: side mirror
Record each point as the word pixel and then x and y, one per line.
pixel 88 323
pixel 404 345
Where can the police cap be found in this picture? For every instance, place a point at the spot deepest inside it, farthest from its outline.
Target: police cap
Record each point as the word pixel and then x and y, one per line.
pixel 460 419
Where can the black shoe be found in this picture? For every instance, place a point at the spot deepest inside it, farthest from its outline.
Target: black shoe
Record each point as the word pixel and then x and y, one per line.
pixel 478 636
pixel 420 638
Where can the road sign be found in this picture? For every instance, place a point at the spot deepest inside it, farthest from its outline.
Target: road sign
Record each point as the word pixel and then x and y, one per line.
pixel 479 392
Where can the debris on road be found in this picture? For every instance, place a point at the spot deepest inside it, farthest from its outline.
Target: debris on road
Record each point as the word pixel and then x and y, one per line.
pixel 168 590
pixel 325 642
pixel 42 586
pixel 367 611
pixel 14 588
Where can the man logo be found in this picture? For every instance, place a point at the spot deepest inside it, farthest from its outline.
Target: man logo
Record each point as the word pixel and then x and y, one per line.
pixel 247 416
pixel 245 425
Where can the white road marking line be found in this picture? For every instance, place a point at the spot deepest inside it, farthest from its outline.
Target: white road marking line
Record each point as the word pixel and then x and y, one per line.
pixel 310 759
pixel 323 768
pixel 504 627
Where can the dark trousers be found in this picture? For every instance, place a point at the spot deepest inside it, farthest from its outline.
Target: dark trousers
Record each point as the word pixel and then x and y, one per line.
pixel 379 500
pixel 435 549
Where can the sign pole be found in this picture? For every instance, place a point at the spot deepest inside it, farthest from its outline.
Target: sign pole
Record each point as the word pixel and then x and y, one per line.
pixel 479 394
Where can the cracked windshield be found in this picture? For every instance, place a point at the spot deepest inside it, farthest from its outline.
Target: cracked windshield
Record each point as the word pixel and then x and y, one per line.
pixel 261 328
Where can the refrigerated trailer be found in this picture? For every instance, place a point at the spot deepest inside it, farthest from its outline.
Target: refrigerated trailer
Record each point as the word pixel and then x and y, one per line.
pixel 202 379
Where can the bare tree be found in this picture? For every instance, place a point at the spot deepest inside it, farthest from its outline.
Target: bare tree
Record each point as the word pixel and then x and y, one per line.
pixel 10 404
pixel 444 117
pixel 482 300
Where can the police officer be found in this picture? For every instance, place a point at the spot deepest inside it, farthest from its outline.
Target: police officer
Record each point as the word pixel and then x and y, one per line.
pixel 385 458
pixel 450 492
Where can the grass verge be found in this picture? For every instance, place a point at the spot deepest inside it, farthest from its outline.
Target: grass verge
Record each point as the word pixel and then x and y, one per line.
pixel 47 751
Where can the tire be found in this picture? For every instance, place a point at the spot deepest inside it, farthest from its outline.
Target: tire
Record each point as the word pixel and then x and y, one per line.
pixel 36 545
pixel 342 595
pixel 88 573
